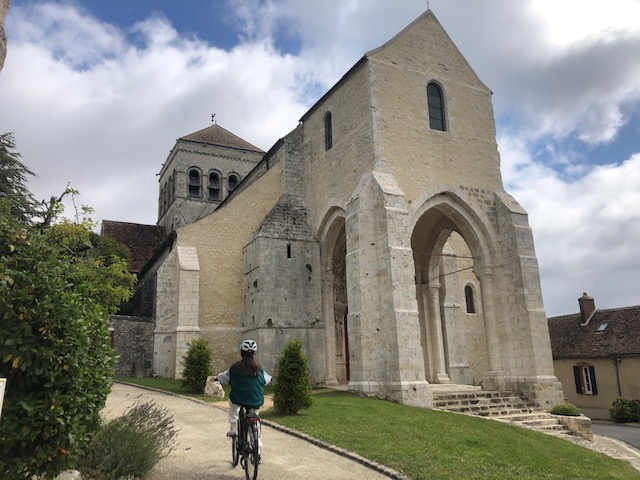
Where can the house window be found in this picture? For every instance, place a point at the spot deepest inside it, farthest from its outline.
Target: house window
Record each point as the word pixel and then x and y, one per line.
pixel 232 183
pixel 214 187
pixel 194 183
pixel 585 377
pixel 602 327
pixel 435 101
pixel 468 296
pixel 328 131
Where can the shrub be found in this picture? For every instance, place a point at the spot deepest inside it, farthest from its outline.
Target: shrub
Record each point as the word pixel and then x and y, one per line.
pixel 197 366
pixel 130 445
pixel 566 409
pixel 55 348
pixel 292 389
pixel 625 411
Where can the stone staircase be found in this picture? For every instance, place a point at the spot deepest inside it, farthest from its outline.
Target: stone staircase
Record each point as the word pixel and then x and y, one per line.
pixel 507 407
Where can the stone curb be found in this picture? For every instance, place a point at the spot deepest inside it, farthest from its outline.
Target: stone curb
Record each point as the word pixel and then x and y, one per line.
pixel 383 469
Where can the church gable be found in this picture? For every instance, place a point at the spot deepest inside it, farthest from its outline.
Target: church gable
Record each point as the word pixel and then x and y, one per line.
pixel 425 46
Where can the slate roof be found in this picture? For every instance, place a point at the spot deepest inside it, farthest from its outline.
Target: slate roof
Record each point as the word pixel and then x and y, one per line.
pixel 142 240
pixel 216 135
pixel 621 337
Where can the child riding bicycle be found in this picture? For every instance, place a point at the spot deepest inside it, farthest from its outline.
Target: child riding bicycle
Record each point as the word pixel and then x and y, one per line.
pixel 247 379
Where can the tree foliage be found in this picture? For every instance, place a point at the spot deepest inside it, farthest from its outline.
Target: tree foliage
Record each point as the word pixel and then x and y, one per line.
pixel 292 389
pixel 56 292
pixel 13 177
pixel 197 366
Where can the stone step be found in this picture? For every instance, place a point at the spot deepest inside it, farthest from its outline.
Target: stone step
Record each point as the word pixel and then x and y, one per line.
pixel 505 407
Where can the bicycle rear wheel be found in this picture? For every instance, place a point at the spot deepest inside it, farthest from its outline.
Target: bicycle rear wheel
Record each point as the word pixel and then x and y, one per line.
pixel 235 450
pixel 252 452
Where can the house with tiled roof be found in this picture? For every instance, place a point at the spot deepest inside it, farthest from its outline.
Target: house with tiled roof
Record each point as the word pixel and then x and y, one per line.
pixel 596 355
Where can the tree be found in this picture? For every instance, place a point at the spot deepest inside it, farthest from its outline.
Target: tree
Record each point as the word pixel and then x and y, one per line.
pixel 56 292
pixel 13 176
pixel 292 389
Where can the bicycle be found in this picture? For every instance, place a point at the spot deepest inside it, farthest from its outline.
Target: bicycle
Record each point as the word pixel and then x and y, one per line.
pixel 245 445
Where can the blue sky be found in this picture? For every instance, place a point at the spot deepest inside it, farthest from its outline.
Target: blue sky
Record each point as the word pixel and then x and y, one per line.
pixel 97 91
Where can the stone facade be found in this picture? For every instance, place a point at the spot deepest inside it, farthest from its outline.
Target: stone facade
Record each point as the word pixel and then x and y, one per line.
pixel 360 231
pixel 133 343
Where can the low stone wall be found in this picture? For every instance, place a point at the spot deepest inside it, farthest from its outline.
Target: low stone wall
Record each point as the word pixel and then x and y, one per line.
pixel 133 342
pixel 579 425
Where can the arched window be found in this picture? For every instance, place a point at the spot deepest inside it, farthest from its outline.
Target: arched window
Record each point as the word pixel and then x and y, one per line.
pixel 214 187
pixel 194 183
pixel 435 100
pixel 468 296
pixel 232 182
pixel 328 131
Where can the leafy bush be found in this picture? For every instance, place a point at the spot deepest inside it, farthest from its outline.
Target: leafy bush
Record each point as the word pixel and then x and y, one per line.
pixel 292 389
pixel 130 445
pixel 197 366
pixel 55 348
pixel 625 411
pixel 566 409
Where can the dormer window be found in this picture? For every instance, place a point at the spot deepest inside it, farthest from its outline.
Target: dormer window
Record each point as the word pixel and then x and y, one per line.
pixel 435 100
pixel 194 183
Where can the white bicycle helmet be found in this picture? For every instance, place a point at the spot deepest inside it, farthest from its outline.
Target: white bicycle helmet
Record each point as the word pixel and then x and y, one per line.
pixel 248 346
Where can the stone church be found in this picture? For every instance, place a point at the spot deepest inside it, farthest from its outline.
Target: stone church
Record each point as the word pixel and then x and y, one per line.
pixel 378 232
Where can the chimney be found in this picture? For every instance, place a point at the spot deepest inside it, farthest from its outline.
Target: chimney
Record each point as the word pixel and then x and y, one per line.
pixel 587 307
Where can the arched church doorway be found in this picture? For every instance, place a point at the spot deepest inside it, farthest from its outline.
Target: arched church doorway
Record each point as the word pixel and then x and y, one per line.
pixel 335 301
pixel 449 296
pixel 341 308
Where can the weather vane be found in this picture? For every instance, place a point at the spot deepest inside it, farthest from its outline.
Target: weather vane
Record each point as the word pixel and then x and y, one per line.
pixel 213 115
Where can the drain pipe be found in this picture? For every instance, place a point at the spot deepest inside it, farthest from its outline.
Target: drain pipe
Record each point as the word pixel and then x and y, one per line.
pixel 617 361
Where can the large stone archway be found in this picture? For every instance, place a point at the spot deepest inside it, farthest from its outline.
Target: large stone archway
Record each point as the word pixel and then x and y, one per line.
pixel 452 326
pixel 458 332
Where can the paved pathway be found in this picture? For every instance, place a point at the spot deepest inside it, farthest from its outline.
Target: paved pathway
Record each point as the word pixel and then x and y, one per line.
pixel 203 451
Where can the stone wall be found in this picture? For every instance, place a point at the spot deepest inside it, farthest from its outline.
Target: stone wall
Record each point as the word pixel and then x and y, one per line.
pixel 219 240
pixel 133 343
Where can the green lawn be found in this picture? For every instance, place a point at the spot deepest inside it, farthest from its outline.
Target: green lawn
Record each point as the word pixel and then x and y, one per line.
pixel 428 444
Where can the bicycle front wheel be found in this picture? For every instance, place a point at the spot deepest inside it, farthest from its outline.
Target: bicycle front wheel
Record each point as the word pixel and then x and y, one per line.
pixel 252 458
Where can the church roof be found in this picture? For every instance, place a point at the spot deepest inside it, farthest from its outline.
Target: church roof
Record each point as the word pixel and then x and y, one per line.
pixel 216 135
pixel 142 240
pixel 609 332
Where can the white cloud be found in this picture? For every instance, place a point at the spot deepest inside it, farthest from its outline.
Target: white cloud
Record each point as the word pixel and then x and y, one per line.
pixel 587 231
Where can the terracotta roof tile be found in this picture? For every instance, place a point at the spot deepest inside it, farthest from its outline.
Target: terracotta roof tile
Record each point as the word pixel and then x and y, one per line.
pixel 620 337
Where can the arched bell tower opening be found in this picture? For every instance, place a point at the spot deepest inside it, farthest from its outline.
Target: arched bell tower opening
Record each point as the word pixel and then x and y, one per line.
pixel 335 301
pixel 447 255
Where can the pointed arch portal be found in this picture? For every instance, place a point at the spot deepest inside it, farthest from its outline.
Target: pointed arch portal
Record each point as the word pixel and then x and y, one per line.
pixel 447 253
pixel 335 302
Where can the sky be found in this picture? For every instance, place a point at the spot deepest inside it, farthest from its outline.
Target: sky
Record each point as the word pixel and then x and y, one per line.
pixel 96 92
